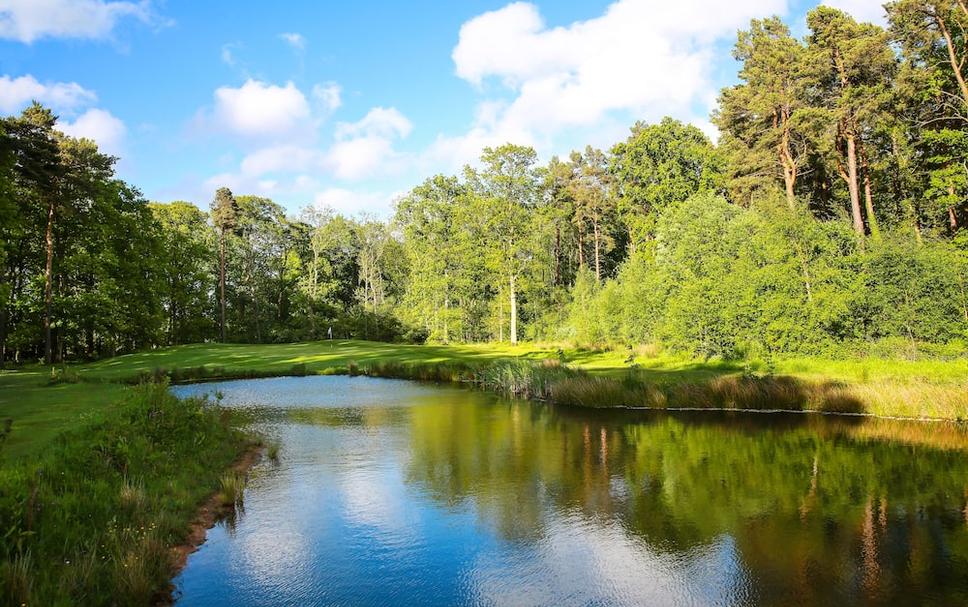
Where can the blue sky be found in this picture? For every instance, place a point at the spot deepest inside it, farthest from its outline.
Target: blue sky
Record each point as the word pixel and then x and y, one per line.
pixel 351 104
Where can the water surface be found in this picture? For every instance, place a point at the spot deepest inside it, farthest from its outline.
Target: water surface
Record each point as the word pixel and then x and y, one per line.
pixel 396 493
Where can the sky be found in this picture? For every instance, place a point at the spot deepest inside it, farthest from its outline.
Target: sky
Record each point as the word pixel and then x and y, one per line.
pixel 350 104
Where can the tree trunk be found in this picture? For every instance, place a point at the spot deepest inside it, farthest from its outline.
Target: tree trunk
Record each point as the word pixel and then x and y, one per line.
pixel 48 284
pixel 847 129
pixel 4 314
pixel 221 287
pixel 868 198
pixel 557 255
pixel 787 163
pixel 598 262
pixel 953 59
pixel 855 210
pixel 514 312
pixel 446 319
pixel 581 249
pixel 952 218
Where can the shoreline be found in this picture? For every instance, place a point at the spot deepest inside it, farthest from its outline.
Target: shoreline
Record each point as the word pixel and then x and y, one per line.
pixel 475 384
pixel 206 517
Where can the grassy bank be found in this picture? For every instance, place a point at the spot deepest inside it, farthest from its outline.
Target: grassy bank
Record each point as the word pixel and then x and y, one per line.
pixel 94 518
pixel 889 387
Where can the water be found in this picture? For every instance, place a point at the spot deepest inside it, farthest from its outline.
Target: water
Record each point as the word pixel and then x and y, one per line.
pixel 395 493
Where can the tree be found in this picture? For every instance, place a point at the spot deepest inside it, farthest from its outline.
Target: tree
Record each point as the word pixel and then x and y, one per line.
pixel 428 219
pixel 40 170
pixel 853 70
pixel 659 165
pixel 186 245
pixel 760 118
pixel 225 218
pixel 508 185
pixel 933 36
pixel 592 190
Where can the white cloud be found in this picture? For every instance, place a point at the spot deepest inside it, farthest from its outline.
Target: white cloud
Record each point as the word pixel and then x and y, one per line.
pixel 379 122
pixel 99 125
pixel 869 11
pixel 15 93
pixel 361 157
pixel 294 40
pixel 365 147
pixel 329 95
pixel 646 58
pixel 258 108
pixel 284 158
pixel 29 20
pixel 352 202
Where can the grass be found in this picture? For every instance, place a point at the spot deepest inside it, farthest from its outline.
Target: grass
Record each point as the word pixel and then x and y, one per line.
pixel 100 477
pixel 40 412
pixel 92 520
pixel 43 404
pixel 231 489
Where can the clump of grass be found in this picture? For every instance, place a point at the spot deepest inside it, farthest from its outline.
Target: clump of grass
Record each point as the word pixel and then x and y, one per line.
pixel 63 375
pixel 740 392
pixel 17 576
pixel 523 379
pixel 647 350
pixel 231 489
pixel 299 370
pixel 443 372
pixel 589 391
pixel 272 451
pixel 132 494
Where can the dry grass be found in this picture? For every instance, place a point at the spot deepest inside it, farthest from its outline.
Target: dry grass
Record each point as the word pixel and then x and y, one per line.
pixel 232 489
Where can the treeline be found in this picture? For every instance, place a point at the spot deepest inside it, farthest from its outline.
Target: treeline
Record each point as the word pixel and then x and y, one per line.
pixel 89 268
pixel 829 215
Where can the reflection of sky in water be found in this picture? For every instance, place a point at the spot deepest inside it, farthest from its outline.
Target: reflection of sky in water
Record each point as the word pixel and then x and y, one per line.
pixel 397 493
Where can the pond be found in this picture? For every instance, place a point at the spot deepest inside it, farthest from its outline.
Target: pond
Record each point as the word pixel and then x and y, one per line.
pixel 391 492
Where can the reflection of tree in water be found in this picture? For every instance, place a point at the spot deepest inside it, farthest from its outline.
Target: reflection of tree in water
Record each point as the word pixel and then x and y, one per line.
pixel 819 508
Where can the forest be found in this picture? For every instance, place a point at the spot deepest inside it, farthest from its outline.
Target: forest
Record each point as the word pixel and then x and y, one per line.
pixel 828 218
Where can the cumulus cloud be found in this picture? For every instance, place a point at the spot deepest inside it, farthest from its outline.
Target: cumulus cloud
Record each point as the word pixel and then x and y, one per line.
pixel 30 20
pixel 15 93
pixel 379 121
pixel 352 202
pixel 261 109
pixel 294 40
pixel 284 158
pixel 644 57
pixel 98 125
pixel 365 147
pixel 67 98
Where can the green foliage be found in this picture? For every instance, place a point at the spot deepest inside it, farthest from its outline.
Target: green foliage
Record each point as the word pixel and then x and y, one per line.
pixel 660 165
pixel 731 282
pixel 134 475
